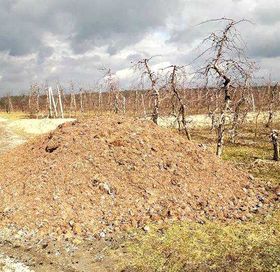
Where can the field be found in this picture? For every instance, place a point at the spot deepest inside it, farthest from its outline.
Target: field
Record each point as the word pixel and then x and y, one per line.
pixel 247 243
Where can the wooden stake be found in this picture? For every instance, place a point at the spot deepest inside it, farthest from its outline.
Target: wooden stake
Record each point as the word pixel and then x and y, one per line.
pixel 60 101
pixel 50 103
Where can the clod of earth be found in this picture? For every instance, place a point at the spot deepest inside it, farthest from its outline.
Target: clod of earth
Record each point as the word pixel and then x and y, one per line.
pixel 110 174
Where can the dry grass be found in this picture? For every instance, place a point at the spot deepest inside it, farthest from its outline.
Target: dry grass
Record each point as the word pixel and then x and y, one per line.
pixel 254 246
pixel 13 115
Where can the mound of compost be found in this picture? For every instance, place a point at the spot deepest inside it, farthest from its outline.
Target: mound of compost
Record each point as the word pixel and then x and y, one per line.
pixel 113 173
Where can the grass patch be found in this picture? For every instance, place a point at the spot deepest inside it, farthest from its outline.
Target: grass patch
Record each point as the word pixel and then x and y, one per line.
pixel 246 154
pixel 14 115
pixel 254 246
pixel 268 172
pixel 257 160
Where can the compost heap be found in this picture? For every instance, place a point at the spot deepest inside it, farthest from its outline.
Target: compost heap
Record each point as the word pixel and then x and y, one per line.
pixel 113 173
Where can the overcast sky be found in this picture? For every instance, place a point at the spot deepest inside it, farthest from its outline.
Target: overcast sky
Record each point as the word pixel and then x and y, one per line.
pixel 71 39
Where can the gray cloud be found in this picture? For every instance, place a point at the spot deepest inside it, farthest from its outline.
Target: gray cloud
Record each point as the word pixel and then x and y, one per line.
pixel 69 39
pixel 267 12
pixel 264 42
pixel 85 23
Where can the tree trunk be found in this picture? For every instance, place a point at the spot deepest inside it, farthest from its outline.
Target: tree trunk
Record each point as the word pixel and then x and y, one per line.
pixel 235 121
pixel 274 139
pixel 222 120
pixel 155 93
pixel 257 124
pixel 81 101
pixel 155 113
pixel 143 105
pixel 272 105
pixel 220 138
pixel 184 122
pixel 182 110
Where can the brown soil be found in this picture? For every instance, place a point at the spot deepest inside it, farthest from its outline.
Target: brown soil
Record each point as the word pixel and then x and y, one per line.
pixel 109 174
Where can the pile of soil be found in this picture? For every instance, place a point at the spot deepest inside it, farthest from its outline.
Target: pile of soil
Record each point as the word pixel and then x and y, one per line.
pixel 113 173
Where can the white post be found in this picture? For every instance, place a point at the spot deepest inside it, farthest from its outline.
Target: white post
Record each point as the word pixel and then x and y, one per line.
pixel 60 102
pixel 124 104
pixel 53 102
pixel 50 103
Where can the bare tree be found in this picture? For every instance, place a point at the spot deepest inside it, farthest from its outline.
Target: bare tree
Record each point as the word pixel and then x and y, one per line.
pixel 9 104
pixel 33 100
pixel 73 102
pixel 81 100
pixel 143 104
pixel 240 109
pixel 144 67
pixel 112 87
pixel 180 113
pixel 272 103
pixel 213 98
pixel 100 99
pixel 227 66
pixel 257 111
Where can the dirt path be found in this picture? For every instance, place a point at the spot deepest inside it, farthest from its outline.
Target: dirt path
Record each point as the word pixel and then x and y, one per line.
pixel 8 138
pixel 16 132
pixel 204 121
pixel 36 126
